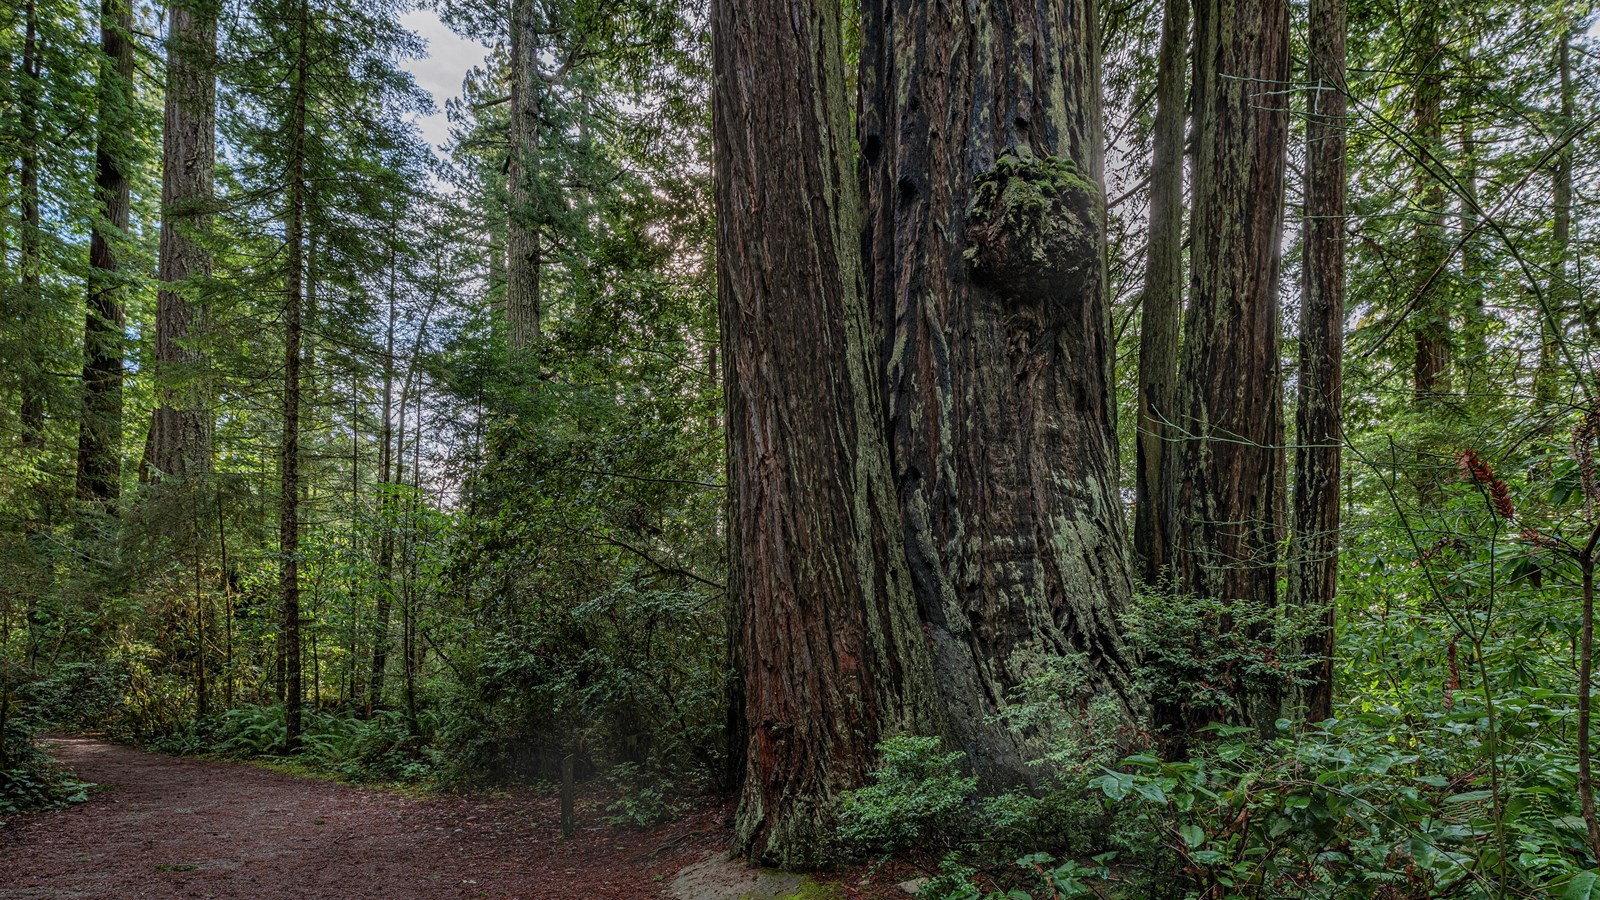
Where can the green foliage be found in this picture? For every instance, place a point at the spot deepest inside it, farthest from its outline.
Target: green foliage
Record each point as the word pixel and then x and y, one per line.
pixel 642 800
pixel 382 748
pixel 916 798
pixel 1203 655
pixel 30 780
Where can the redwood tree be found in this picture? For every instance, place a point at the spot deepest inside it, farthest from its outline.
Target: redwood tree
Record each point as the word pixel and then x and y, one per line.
pixel 294 282
pixel 1231 499
pixel 181 425
pixel 833 656
pixel 1314 550
pixel 1155 481
pixel 982 143
pixel 522 236
pixel 100 424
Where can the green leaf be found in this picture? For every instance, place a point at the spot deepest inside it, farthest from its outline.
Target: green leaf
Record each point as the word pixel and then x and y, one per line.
pixel 1583 886
pixel 1193 835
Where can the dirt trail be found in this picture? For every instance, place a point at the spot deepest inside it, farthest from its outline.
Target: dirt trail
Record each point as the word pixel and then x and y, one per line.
pixel 170 827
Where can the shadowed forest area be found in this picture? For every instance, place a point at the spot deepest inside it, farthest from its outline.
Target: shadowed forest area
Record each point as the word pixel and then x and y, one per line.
pixel 1033 448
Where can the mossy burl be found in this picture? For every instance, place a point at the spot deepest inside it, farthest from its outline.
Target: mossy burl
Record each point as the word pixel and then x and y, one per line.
pixel 1032 224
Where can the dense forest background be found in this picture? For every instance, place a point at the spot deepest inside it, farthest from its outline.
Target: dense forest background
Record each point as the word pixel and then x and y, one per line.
pixel 1170 464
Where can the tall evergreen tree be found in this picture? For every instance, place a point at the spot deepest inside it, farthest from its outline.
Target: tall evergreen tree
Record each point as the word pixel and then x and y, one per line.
pixel 1231 500
pixel 181 425
pixel 986 252
pixel 833 654
pixel 1313 571
pixel 1161 305
pixel 100 423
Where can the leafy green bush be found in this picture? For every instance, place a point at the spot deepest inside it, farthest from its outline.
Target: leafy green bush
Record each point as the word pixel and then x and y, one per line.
pixel 380 748
pixel 29 778
pixel 642 800
pixel 917 796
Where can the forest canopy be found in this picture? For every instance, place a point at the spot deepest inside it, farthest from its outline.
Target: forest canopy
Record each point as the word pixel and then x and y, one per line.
pixel 1075 448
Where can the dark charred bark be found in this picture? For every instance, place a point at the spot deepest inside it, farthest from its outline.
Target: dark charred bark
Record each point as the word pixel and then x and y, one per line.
pixel 1314 552
pixel 522 235
pixel 834 656
pixel 981 129
pixel 100 419
pixel 1156 481
pixel 181 426
pixel 1230 379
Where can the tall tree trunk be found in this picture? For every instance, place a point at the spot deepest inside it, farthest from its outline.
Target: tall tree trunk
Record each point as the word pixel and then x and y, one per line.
pixel 522 235
pixel 982 140
pixel 1558 296
pixel 1476 337
pixel 100 423
pixel 834 656
pixel 289 450
pixel 1431 316
pixel 30 260
pixel 1229 376
pixel 181 426
pixel 1156 482
pixel 386 525
pixel 1314 553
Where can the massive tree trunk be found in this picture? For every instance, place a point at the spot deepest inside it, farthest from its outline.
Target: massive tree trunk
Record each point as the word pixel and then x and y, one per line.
pixel 1231 499
pixel 1314 555
pixel 834 656
pixel 181 426
pixel 1155 482
pixel 1430 323
pixel 289 449
pixel 100 421
pixel 981 130
pixel 522 235
pixel 30 260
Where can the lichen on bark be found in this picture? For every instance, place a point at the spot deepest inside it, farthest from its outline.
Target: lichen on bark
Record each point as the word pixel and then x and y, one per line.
pixel 1031 229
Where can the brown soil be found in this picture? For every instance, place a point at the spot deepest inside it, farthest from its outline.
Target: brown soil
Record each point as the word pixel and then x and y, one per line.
pixel 169 827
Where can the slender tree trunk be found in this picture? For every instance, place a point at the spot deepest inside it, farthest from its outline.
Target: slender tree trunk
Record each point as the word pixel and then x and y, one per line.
pixel 100 423
pixel 1557 297
pixel 30 261
pixel 982 140
pixel 181 426
pixel 1431 317
pixel 289 450
pixel 1229 376
pixel 834 656
pixel 1156 481
pixel 227 598
pixel 1472 266
pixel 522 235
pixel 202 692
pixel 380 641
pixel 1586 803
pixel 1314 553
pixel 414 651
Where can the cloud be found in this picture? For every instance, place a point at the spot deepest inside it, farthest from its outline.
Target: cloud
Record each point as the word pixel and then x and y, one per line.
pixel 441 70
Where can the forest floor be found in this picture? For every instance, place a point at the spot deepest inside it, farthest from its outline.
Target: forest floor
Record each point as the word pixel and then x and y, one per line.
pixel 163 826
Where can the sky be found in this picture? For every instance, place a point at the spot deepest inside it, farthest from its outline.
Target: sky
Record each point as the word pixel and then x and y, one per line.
pixel 440 71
